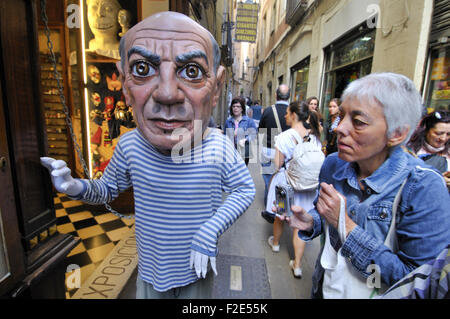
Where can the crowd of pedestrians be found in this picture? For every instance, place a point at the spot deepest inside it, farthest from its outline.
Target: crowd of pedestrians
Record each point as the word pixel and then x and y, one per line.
pixel 383 191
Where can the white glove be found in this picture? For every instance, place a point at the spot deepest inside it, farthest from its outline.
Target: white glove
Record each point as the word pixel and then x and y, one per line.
pixel 199 262
pixel 61 178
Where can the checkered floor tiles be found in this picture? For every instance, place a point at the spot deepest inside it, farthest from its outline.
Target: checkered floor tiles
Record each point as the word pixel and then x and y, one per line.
pixel 98 230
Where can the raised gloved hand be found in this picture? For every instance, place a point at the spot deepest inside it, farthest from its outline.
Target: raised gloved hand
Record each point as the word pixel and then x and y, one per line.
pixel 61 178
pixel 199 262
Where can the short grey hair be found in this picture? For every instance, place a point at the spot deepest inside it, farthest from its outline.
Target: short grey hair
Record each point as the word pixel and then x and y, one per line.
pixel 215 47
pixel 395 93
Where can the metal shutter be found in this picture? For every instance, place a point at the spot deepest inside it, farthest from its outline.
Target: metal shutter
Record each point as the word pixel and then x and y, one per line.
pixel 441 20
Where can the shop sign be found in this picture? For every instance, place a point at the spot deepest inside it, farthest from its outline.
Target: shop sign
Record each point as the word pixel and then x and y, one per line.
pixel 246 22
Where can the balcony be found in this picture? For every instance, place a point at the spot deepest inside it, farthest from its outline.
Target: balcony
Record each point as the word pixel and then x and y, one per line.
pixel 295 10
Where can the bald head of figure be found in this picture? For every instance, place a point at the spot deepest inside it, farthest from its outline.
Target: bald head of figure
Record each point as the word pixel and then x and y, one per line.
pixel 171 74
pixel 173 21
pixel 283 92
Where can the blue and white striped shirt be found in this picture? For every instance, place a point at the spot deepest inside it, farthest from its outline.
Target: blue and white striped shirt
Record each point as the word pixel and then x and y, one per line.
pixel 178 201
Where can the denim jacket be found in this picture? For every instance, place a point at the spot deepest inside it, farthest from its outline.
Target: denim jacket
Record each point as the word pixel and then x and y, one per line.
pixel 422 222
pixel 247 129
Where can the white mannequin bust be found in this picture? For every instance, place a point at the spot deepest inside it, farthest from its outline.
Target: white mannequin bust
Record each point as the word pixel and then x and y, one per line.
pixel 102 18
pixel 124 19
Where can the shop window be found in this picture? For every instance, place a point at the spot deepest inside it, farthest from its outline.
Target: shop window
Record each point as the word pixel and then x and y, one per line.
pixel 54 112
pixel 106 114
pixel 299 76
pixel 345 62
pixel 438 86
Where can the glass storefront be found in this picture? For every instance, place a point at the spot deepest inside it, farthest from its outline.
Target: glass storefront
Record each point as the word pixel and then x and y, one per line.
pixel 346 61
pixel 299 76
pixel 438 88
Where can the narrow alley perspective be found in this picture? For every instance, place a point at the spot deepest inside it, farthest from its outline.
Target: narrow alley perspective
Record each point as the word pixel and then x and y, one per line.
pixel 224 150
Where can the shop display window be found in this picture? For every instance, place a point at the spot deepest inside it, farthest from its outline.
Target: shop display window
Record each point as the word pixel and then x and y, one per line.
pixel 356 50
pixel 107 116
pixel 55 117
pixel 300 75
pixel 86 62
pixel 75 78
pixel 438 86
pixel 347 60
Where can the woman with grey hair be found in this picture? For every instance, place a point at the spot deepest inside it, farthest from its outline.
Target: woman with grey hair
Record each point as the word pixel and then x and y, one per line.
pixel 382 211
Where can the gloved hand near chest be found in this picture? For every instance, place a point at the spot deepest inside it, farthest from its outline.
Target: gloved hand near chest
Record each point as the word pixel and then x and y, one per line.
pixel 61 178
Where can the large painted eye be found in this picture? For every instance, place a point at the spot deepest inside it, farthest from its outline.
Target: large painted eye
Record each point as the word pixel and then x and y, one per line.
pixel 191 72
pixel 142 69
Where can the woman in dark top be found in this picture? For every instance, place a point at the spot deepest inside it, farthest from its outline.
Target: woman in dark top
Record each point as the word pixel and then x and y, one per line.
pixel 240 128
pixel 331 125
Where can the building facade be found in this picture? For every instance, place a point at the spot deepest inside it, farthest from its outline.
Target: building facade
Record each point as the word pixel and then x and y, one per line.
pixel 317 47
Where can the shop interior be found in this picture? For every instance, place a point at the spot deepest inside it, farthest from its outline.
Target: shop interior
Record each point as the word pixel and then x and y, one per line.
pixel 91 98
pixel 347 59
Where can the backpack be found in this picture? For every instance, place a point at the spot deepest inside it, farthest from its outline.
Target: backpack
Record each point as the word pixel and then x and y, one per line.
pixel 304 167
pixel 437 161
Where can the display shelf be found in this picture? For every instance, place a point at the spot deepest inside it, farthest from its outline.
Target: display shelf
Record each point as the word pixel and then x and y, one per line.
pixel 55 118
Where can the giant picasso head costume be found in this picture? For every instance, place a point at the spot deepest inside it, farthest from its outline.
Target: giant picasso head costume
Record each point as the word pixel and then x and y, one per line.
pixel 172 77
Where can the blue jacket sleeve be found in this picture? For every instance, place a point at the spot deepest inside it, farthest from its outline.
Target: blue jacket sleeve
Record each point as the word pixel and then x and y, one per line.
pixel 423 230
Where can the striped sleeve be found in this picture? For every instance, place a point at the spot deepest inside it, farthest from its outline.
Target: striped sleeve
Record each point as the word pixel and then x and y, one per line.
pixel 238 182
pixel 115 180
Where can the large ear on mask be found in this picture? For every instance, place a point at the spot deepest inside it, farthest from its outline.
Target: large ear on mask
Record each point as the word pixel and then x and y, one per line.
pixel 398 136
pixel 122 79
pixel 220 80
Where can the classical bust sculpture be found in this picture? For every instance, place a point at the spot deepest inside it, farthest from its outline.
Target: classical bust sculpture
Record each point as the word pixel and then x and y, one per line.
pixel 103 21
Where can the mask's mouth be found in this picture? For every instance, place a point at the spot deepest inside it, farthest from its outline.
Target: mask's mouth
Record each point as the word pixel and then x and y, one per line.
pixel 102 26
pixel 168 126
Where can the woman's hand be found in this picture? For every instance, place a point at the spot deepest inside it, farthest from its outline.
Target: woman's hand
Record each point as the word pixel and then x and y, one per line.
pixel 329 204
pixel 300 219
pixel 447 178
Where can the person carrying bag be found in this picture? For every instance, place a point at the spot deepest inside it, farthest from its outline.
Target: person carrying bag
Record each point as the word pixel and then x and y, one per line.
pixel 341 280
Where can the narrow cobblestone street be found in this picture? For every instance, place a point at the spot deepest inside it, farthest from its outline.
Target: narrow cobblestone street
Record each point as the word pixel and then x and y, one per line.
pixel 247 237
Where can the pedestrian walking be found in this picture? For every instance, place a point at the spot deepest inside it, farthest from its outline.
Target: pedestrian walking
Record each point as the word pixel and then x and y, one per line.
pixel 304 126
pixel 240 128
pixel 272 123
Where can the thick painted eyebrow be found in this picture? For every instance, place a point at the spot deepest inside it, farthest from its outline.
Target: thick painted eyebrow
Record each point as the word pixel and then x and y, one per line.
pixel 152 57
pixel 189 56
